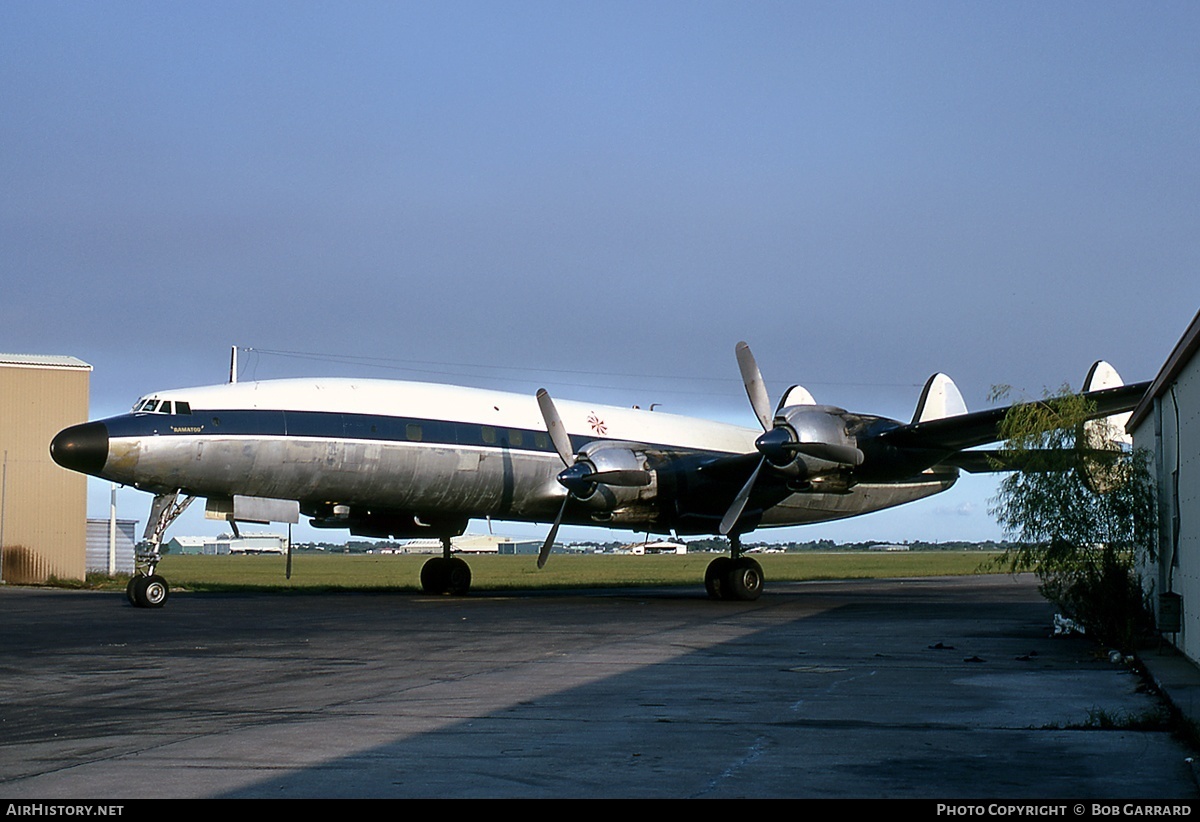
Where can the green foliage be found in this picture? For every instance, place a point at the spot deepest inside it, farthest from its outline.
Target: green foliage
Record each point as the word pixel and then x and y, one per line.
pixel 1081 508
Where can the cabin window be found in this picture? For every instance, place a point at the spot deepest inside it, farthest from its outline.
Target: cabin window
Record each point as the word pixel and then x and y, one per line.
pixel 413 432
pixel 489 435
pixel 515 439
pixel 542 441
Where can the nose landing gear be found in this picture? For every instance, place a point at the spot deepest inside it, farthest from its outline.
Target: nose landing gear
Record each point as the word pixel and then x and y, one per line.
pixel 146 589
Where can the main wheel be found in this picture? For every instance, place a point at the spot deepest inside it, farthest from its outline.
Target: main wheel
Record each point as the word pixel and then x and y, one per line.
pixel 129 595
pixel 151 591
pixel 714 577
pixel 458 577
pixel 435 576
pixel 744 581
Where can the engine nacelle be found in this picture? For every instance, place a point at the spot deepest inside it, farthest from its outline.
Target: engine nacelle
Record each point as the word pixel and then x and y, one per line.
pixel 823 427
pixel 604 457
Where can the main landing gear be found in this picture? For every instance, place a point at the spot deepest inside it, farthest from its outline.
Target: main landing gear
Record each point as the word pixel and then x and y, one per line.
pixel 446 574
pixel 734 577
pixel 146 589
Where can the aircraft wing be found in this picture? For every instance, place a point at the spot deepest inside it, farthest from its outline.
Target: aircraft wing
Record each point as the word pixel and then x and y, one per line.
pixel 992 461
pixel 981 427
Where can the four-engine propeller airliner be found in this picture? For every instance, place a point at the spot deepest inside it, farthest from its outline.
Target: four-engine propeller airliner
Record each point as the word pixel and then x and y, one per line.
pixel 405 459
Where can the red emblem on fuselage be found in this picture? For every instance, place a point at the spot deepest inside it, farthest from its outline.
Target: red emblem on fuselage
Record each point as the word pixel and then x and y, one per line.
pixel 597 424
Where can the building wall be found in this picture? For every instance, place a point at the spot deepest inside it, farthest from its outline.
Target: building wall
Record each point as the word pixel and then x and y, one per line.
pixel 1172 436
pixel 43 508
pixel 98 547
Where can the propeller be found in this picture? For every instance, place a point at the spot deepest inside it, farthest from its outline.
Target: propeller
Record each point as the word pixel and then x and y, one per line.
pixel 579 476
pixel 756 389
pixel 841 454
pixel 777 444
pixel 739 502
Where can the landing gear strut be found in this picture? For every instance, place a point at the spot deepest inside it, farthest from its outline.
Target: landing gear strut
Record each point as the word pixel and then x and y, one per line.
pixel 147 589
pixel 446 574
pixel 734 577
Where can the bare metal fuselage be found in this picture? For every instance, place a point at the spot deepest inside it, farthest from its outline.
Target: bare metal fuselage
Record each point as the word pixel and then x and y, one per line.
pixel 350 451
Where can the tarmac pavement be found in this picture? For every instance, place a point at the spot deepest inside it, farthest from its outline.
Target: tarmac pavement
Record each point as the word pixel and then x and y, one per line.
pixel 942 688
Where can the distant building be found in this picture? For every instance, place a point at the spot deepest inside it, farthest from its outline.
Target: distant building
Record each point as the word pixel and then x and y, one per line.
pixel 472 544
pixel 661 546
pixel 106 555
pixel 191 545
pixel 43 507
pixel 253 544
pixel 1167 424
pixel 226 544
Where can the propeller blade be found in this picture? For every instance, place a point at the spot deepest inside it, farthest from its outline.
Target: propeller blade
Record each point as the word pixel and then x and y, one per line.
pixel 841 454
pixel 739 502
pixel 630 478
pixel 544 554
pixel 756 389
pixel 555 427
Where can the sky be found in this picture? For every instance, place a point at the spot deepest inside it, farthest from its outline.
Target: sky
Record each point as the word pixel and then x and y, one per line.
pixel 602 198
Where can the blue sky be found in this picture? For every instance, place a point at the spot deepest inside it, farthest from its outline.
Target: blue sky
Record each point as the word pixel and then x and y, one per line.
pixel 603 198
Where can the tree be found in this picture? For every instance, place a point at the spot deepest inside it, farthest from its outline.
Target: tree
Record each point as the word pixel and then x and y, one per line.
pixel 1081 506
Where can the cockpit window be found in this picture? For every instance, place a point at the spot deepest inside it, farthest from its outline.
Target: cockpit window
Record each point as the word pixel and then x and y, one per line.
pixel 153 406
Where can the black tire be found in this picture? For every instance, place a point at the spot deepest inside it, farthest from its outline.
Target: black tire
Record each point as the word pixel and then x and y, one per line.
pixel 743 581
pixel 129 595
pixel 458 577
pixel 435 576
pixel 151 591
pixel 714 577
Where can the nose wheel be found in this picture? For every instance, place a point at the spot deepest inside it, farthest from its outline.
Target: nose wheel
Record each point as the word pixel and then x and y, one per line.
pixel 147 591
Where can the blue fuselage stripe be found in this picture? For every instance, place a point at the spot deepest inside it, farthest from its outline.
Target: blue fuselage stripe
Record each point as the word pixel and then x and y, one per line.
pixel 336 425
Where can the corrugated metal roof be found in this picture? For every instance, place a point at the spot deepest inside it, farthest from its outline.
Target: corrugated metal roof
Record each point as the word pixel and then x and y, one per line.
pixel 43 361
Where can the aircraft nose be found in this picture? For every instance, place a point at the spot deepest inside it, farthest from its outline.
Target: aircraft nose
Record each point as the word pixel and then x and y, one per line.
pixel 82 448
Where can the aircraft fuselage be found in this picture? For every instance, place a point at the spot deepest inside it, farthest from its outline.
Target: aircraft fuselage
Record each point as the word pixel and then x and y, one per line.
pixel 402 458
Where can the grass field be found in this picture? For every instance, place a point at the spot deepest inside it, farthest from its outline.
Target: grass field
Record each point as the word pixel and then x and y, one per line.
pixel 400 572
